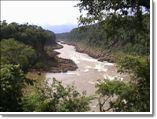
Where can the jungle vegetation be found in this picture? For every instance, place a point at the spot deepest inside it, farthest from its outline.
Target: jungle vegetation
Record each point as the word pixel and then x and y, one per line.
pixel 123 30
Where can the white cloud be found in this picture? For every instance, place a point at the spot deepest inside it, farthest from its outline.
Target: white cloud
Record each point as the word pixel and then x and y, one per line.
pixel 40 12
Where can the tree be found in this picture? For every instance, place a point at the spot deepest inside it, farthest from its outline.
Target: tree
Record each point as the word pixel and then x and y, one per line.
pixel 14 52
pixel 55 98
pixel 32 35
pixel 117 94
pixel 139 68
pixel 99 9
pixel 134 96
pixel 11 83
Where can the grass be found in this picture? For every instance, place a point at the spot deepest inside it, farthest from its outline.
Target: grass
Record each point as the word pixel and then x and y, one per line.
pixel 35 76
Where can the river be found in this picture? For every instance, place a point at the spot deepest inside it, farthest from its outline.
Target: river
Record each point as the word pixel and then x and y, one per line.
pixel 89 71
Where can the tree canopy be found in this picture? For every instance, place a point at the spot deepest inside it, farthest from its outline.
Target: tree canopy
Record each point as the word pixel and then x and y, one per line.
pixel 127 97
pixel 17 53
pixel 100 9
pixel 32 35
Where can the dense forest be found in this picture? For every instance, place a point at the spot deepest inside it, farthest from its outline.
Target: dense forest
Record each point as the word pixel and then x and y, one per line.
pixel 114 34
pixel 120 35
pixel 24 44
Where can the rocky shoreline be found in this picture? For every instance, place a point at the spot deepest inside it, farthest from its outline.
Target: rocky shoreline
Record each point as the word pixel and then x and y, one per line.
pixel 98 55
pixel 54 64
pixel 62 65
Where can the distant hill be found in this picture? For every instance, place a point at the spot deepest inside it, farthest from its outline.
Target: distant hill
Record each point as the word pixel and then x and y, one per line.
pixel 60 28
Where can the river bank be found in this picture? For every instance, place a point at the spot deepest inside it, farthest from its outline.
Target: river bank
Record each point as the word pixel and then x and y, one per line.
pixel 51 63
pixel 95 53
pixel 62 65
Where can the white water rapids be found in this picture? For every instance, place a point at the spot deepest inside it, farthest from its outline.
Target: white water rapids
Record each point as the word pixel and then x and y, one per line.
pixel 89 71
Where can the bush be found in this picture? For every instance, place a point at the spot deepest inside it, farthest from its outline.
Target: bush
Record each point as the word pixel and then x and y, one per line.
pixel 55 98
pixel 11 83
pixel 131 97
pixel 14 52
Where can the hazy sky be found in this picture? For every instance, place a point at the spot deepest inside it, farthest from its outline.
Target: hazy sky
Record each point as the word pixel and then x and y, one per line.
pixel 40 12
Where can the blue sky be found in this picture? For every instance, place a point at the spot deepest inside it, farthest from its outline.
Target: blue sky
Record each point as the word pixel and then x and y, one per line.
pixel 44 13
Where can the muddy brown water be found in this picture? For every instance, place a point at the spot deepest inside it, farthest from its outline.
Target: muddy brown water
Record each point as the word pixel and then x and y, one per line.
pixel 89 71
